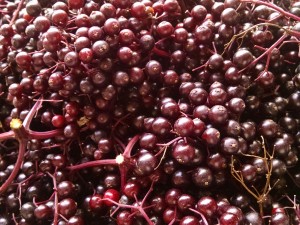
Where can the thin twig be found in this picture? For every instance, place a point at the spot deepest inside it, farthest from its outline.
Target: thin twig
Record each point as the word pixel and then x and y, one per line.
pixel 16 13
pixel 259 196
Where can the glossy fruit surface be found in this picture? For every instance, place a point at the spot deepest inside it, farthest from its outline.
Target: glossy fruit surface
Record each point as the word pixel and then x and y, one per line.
pixel 127 112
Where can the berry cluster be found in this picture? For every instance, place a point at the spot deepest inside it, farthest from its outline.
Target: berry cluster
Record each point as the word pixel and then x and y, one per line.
pixel 128 112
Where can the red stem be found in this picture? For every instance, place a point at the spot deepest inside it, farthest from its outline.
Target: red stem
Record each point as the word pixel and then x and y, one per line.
pixel 30 115
pixel 119 142
pixel 202 216
pixel 16 13
pixel 55 220
pixel 7 135
pixel 260 48
pixel 139 208
pixel 44 135
pixel 122 166
pixel 142 211
pixel 268 51
pixel 129 146
pixel 123 173
pixel 100 162
pixel 199 67
pixel 160 52
pixel 273 6
pixel 17 166
pixel 120 120
pixel 148 193
pixel 170 142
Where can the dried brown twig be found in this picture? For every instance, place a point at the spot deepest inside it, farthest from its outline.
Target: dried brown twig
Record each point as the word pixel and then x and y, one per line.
pixel 260 196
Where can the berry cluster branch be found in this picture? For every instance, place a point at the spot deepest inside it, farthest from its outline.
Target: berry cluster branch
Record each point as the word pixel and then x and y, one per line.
pixel 38 134
pixel 16 13
pixel 56 215
pixel 32 112
pixel 259 196
pixel 100 162
pixel 275 7
pixel 201 215
pixel 241 35
pixel 296 206
pixel 139 207
pixel 267 52
pixel 22 133
pixel 122 160
pixel 7 135
pixel 17 166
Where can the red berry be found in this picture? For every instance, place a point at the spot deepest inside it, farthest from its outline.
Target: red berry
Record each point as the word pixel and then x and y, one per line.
pixel 111 194
pixel 58 121
pixel 96 202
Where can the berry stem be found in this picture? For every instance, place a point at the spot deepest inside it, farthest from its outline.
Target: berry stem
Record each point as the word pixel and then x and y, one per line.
pixel 259 196
pixel 160 52
pixel 55 220
pixel 268 51
pixel 16 13
pixel 129 146
pixel 142 211
pixel 170 142
pixel 148 193
pixel 295 205
pixel 123 173
pixel 120 159
pixel 30 115
pixel 275 7
pixel 45 134
pixel 202 216
pixel 139 207
pixel 100 162
pixel 7 135
pixel 119 142
pixel 119 121
pixel 20 131
pixel 17 166
pixel 17 127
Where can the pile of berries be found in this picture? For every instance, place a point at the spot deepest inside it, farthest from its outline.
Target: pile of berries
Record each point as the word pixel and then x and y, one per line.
pixel 155 112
